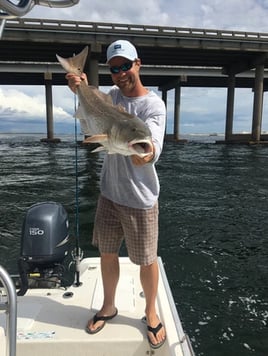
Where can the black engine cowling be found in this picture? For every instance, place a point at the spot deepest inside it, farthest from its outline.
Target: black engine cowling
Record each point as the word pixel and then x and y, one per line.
pixel 44 244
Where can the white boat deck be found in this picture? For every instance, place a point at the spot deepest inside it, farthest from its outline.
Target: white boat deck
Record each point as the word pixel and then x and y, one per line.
pixel 51 322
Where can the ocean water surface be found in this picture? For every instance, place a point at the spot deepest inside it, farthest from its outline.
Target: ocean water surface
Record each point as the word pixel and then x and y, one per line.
pixel 213 227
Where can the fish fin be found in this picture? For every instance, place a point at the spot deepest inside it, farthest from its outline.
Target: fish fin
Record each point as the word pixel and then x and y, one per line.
pixel 98 149
pixel 74 64
pixel 96 138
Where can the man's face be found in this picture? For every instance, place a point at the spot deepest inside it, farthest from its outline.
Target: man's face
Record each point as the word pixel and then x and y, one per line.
pixel 126 79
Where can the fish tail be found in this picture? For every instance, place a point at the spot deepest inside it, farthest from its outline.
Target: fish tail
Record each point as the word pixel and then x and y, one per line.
pixel 74 64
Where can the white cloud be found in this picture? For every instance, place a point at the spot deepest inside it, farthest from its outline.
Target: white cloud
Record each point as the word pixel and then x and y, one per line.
pixel 15 104
pixel 23 109
pixel 19 103
pixel 245 15
pixel 149 12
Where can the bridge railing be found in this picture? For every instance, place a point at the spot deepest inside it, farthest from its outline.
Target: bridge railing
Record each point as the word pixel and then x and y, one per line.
pixel 47 24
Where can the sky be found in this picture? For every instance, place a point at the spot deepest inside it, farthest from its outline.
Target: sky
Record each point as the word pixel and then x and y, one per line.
pixel 203 110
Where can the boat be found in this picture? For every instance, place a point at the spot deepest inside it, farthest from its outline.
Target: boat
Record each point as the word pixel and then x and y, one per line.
pixel 40 316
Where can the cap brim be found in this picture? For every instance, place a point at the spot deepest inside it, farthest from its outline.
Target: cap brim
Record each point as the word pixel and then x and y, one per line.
pixel 118 55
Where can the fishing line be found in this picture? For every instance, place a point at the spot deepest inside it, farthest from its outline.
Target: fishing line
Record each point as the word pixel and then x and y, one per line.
pixel 77 254
pixel 76 180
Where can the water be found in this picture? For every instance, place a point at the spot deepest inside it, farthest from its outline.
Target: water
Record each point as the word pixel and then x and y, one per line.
pixel 213 228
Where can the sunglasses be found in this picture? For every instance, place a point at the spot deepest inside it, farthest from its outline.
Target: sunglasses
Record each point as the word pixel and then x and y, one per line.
pixel 124 67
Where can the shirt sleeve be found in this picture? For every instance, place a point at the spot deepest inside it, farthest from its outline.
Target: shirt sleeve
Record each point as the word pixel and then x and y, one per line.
pixel 156 121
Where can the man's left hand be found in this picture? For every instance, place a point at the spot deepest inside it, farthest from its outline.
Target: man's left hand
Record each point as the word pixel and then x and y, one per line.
pixel 140 161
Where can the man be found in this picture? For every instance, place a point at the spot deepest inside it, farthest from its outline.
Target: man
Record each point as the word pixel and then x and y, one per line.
pixel 128 203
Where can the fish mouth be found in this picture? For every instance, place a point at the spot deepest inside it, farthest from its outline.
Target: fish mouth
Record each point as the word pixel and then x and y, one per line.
pixel 141 148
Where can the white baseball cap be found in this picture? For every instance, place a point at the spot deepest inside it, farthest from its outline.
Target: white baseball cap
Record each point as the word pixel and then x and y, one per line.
pixel 121 48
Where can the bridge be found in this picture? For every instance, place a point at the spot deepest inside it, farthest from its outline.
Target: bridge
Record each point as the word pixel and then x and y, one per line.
pixel 172 58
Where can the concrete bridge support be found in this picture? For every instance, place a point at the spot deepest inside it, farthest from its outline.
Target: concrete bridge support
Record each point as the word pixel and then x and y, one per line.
pixel 92 71
pixel 177 105
pixel 176 85
pixel 258 103
pixel 164 98
pixel 49 109
pixel 230 107
pixel 92 64
pixel 49 105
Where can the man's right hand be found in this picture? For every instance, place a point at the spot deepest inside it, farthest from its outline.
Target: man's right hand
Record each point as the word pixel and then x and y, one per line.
pixel 74 80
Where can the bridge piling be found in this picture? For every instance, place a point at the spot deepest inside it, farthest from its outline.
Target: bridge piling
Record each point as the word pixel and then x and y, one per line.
pixel 230 107
pixel 49 109
pixel 258 103
pixel 177 104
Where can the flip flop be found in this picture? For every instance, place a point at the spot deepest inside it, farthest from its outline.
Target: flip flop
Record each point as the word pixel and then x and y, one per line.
pixel 154 331
pixel 97 318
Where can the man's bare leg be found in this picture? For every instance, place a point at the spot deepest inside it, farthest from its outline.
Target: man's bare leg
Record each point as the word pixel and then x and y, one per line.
pixel 110 277
pixel 149 276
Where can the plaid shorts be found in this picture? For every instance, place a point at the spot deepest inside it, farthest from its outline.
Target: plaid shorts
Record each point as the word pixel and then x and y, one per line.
pixel 139 228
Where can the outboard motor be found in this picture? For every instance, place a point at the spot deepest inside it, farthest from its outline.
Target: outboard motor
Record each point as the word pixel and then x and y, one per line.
pixel 44 243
